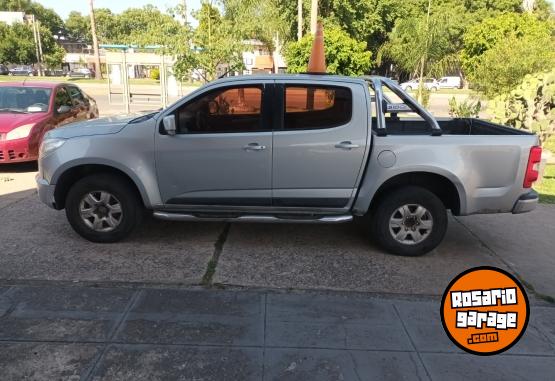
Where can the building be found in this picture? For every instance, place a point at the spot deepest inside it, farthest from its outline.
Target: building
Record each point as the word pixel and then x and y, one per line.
pixel 12 17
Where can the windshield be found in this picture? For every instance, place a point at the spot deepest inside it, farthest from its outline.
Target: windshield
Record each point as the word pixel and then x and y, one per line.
pixel 24 99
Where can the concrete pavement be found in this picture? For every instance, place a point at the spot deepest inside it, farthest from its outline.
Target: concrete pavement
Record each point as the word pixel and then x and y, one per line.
pixel 75 333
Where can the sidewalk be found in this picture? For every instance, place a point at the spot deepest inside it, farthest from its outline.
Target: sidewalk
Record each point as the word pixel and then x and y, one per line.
pixel 77 333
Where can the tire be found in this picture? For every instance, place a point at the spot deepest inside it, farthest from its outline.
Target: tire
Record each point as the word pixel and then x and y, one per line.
pixel 112 226
pixel 418 240
pixel 434 88
pixel 408 88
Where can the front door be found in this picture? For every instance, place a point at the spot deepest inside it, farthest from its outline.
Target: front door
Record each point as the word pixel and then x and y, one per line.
pixel 221 154
pixel 319 151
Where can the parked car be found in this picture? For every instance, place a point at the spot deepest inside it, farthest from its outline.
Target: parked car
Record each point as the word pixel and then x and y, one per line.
pixel 4 70
pixel 80 73
pixel 450 83
pixel 28 110
pixel 300 149
pixel 23 70
pixel 429 83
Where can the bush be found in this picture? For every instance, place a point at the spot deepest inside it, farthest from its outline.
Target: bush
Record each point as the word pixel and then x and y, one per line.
pixel 469 108
pixel 344 55
pixel 155 74
pixel 424 94
pixel 530 106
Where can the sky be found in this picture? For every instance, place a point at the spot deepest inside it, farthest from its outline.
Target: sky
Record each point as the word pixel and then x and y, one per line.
pixel 63 7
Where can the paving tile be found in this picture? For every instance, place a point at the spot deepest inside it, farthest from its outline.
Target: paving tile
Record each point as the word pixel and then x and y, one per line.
pixel 147 363
pixel 195 317
pixel 324 365
pixel 454 367
pixel 423 323
pixel 44 361
pixel 71 313
pixel 544 319
pixel 312 307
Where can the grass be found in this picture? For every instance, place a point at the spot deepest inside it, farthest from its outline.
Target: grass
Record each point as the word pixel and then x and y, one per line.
pixel 546 188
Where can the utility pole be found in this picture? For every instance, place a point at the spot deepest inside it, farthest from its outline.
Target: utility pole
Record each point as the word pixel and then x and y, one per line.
pixel 41 73
pixel 97 71
pixel 184 12
pixel 300 20
pixel 313 16
pixel 36 37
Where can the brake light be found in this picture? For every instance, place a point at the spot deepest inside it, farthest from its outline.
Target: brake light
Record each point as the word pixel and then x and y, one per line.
pixel 533 167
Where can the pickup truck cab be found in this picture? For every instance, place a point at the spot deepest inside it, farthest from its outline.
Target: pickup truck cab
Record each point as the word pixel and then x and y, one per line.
pixel 289 148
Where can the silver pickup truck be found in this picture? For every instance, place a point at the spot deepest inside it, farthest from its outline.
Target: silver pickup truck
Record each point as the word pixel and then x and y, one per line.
pixel 291 148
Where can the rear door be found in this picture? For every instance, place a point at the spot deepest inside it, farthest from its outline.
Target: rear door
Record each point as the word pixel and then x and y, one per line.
pixel 320 148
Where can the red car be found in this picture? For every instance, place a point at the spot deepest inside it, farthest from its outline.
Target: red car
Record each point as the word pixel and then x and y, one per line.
pixel 29 109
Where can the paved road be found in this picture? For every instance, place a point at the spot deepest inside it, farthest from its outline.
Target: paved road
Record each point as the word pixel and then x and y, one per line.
pixel 74 333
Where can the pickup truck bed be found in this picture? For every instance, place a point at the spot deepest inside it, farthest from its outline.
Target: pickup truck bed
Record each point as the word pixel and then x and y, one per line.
pixel 455 126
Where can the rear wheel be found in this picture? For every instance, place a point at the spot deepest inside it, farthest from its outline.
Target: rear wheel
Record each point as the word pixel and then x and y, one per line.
pixel 103 208
pixel 410 221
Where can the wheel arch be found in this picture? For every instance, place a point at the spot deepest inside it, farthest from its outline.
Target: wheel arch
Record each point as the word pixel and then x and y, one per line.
pixel 64 180
pixel 451 195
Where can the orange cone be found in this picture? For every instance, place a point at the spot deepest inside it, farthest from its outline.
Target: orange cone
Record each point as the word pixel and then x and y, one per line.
pixel 317 61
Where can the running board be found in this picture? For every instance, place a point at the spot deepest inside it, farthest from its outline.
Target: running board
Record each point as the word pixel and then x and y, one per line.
pixel 254 218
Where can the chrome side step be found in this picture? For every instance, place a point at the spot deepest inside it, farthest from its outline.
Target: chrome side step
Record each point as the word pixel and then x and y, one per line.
pixel 254 218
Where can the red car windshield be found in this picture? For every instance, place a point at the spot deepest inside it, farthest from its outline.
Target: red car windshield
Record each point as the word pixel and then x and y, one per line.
pixel 24 99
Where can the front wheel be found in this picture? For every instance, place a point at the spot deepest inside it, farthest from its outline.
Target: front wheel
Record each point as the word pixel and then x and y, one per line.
pixel 410 221
pixel 103 208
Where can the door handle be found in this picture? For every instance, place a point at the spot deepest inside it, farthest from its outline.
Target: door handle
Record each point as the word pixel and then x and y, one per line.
pixel 254 147
pixel 346 145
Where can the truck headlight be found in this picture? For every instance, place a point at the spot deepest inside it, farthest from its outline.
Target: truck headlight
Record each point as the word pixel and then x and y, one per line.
pixel 20 132
pixel 50 145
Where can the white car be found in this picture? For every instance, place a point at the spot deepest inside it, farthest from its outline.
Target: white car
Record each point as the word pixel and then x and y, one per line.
pixel 429 83
pixel 450 83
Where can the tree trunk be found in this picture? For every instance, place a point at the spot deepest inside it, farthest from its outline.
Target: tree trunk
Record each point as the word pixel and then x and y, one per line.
pixel 313 16
pixel 97 70
pixel 300 20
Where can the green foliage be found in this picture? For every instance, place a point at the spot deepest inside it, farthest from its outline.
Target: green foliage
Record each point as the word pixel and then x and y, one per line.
pixel 424 95
pixel 155 74
pixel 78 26
pixel 215 45
pixel 500 51
pixel 55 58
pixel 530 106
pixel 256 19
pixel 17 44
pixel 344 55
pixel 468 108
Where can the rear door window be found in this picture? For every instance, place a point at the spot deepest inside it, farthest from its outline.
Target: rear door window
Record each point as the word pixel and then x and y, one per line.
pixel 317 107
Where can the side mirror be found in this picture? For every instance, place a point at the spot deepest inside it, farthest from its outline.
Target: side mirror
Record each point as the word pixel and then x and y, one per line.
pixel 169 125
pixel 63 109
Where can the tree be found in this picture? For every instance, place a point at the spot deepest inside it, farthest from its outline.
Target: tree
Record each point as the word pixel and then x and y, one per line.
pixel 214 45
pixel 55 58
pixel 344 55
pixel 501 50
pixel 17 43
pixel 421 46
pixel 256 19
pixel 78 26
